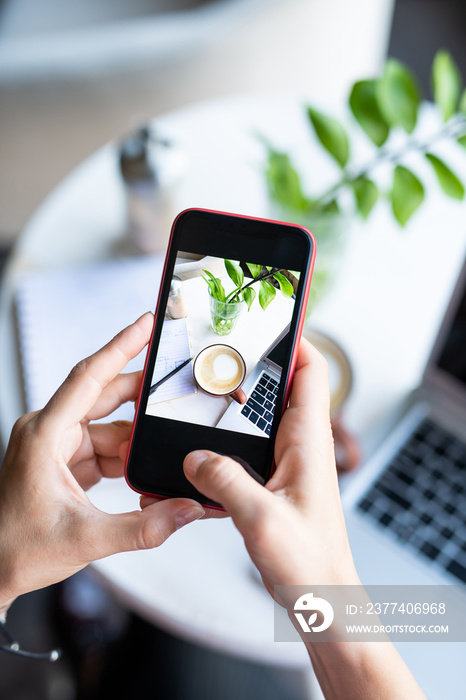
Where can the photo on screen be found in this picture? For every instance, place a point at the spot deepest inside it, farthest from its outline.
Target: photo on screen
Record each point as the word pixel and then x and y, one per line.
pixel 224 341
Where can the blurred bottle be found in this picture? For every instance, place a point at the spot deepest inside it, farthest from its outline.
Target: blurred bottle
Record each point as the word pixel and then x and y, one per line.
pixel 175 304
pixel 151 167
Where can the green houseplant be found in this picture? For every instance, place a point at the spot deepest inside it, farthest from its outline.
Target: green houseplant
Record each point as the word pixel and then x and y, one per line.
pixel 386 109
pixel 226 307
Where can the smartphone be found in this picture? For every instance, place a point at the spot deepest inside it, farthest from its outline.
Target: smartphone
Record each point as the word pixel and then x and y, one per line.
pixel 227 325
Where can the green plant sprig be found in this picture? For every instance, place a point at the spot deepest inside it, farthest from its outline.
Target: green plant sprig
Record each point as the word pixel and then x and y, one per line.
pixel 454 129
pixel 380 105
pixel 260 274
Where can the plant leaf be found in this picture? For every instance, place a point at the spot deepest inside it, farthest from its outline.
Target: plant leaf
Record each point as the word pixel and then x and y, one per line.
pixel 266 293
pixel 446 83
pixel 286 287
pixel 330 207
pixel 215 286
pixel 249 294
pixel 462 140
pixel 331 135
pixel 366 110
pixel 283 181
pixel 398 95
pixel 406 195
pixel 255 270
pixel 221 296
pixel 366 194
pixel 448 181
pixel 235 273
pixel 210 284
pixel 462 104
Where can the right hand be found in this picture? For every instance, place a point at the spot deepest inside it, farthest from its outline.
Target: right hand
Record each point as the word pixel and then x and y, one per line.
pixel 295 532
pixel 293 528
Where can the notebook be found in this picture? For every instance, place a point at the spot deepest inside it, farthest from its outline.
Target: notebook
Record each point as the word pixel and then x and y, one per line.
pixel 174 349
pixel 66 314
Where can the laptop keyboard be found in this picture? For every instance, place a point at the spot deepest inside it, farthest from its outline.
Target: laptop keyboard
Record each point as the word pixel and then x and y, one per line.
pixel 260 406
pixel 421 497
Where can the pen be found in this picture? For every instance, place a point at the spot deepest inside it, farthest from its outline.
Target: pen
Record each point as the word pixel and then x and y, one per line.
pixel 155 386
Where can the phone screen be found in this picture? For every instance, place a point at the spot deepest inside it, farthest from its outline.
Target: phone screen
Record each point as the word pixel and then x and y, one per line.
pixel 220 355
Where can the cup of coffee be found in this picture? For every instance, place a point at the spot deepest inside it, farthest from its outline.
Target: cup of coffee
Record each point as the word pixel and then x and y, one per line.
pixel 220 370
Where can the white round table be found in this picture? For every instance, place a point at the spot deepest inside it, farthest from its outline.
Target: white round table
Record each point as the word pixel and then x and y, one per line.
pixel 384 309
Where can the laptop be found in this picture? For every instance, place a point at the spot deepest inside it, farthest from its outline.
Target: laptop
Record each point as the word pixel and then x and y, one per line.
pixel 261 387
pixel 406 508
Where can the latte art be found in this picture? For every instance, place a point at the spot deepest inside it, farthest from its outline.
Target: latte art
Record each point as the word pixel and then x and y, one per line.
pixel 219 369
pixel 225 367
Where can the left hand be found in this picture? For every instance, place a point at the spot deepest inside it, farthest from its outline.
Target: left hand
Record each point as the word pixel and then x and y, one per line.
pixel 49 529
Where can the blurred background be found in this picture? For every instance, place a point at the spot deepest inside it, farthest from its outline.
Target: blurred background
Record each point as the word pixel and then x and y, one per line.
pixel 74 76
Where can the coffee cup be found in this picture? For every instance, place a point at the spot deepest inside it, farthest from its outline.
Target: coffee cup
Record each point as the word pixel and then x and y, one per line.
pixel 347 450
pixel 220 370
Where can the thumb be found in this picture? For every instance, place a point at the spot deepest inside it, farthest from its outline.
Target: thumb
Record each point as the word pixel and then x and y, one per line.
pixel 144 529
pixel 224 480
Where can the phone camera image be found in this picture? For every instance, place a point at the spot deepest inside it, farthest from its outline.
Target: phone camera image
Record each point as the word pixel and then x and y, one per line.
pixel 219 365
pixel 218 370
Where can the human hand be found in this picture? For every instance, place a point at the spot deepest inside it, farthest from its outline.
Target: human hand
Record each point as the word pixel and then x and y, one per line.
pixel 49 529
pixel 295 533
pixel 293 528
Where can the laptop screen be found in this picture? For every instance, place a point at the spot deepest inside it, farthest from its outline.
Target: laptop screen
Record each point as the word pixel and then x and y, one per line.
pixel 452 357
pixel 278 352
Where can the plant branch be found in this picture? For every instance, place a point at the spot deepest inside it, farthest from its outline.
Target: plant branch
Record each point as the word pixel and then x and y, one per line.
pixel 455 128
pixel 262 276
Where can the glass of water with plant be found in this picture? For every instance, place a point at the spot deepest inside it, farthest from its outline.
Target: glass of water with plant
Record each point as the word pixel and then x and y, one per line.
pixel 226 307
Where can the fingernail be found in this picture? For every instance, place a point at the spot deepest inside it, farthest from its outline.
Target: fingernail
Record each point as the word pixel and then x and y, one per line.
pixel 193 461
pixel 188 515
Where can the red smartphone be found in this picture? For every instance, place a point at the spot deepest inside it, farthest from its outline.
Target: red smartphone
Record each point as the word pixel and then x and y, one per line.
pixel 218 369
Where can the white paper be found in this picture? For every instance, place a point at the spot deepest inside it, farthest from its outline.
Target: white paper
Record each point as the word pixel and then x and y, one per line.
pixel 174 349
pixel 67 314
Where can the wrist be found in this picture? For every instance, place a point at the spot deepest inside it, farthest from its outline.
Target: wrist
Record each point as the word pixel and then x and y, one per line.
pixel 362 671
pixel 8 591
pixel 5 605
pixel 11 576
pixel 342 666
pixel 352 670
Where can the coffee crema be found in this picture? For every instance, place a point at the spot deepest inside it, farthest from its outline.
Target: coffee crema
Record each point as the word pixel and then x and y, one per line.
pixel 219 369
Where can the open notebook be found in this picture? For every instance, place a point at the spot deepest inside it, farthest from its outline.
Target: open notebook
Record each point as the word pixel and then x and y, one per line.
pixel 66 314
pixel 173 351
